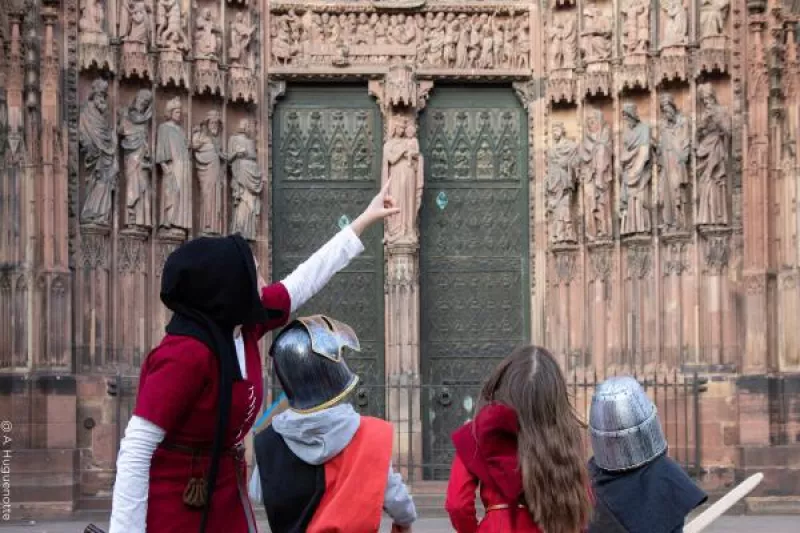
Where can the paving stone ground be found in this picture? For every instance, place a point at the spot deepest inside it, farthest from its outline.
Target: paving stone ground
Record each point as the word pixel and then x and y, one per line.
pixel 727 524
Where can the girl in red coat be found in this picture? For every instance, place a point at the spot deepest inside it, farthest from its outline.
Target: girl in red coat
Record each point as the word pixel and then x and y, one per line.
pixel 523 452
pixel 181 465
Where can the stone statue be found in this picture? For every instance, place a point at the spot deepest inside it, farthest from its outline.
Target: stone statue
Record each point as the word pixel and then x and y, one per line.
pixel 241 35
pixel 673 152
pixel 596 35
pixel 712 153
pixel 136 33
pixel 561 185
pixel 636 161
pixel 636 26
pixel 206 43
pixel 403 164
pixel 134 132
pixel 676 23
pixel 246 181
pixel 713 17
pixel 563 42
pixel 91 23
pixel 172 156
pixel 596 156
pixel 99 146
pixel 169 26
pixel 208 160
pixel 523 49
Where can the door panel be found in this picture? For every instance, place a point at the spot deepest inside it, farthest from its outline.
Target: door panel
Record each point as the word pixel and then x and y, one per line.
pixel 473 252
pixel 326 168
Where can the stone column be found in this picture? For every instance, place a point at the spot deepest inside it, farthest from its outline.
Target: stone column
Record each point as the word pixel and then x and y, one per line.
pixel 401 97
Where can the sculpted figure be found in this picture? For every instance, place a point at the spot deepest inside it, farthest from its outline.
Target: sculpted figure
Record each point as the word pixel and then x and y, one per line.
pixel 523 51
pixel 713 16
pixel 91 22
pixel 206 44
pixel 283 50
pixel 563 42
pixel 99 146
pixel 636 26
pixel 673 150
pixel 712 153
pixel 208 160
pixel 596 155
pixel 134 133
pixel 241 34
pixel 134 26
pixel 561 184
pixel 676 23
pixel 169 30
pixel 402 163
pixel 596 36
pixel 636 163
pixel 451 32
pixel 172 156
pixel 246 181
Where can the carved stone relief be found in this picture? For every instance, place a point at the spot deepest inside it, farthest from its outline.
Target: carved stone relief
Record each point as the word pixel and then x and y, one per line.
pixel 565 264
pixel 717 252
pixel 674 259
pixel 596 174
pixel 562 56
pixel 242 83
pixel 172 42
pixel 209 164
pixel 712 154
pixel 596 47
pixel 93 37
pixel 674 37
pixel 207 52
pixel 99 148
pixel 246 180
pixel 136 34
pixel 636 162
pixel 134 134
pixel 635 29
pixel 561 186
pixel 713 35
pixel 434 40
pixel 172 157
pixel 403 165
pixel 673 158
pixel 640 261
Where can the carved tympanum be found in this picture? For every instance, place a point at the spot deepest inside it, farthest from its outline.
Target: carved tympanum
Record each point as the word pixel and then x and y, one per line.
pixel 596 155
pixel 99 147
pixel 561 185
pixel 136 33
pixel 673 157
pixel 209 163
pixel 403 164
pixel 172 156
pixel 93 37
pixel 246 180
pixel 636 162
pixel 134 133
pixel 713 154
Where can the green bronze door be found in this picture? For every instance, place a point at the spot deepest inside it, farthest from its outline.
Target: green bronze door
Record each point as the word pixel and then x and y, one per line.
pixel 473 252
pixel 326 168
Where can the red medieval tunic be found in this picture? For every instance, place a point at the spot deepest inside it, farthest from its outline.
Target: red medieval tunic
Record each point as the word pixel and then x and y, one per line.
pixel 178 392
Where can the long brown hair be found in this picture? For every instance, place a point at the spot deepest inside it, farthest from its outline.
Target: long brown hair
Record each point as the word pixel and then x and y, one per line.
pixel 550 444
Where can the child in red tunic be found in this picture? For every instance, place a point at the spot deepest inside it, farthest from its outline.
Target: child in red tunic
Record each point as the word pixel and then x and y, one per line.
pixel 181 464
pixel 523 453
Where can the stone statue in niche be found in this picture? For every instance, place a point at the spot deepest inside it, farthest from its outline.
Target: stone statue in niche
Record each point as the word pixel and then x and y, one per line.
pixel 596 35
pixel 563 42
pixel 636 161
pixel 172 42
pixel 207 52
pixel 209 162
pixel 99 147
pixel 136 33
pixel 636 27
pixel 561 185
pixel 403 164
pixel 676 23
pixel 134 133
pixel 712 154
pixel 172 157
pixel 523 48
pixel 713 17
pixel 93 37
pixel 243 83
pixel 596 155
pixel 673 157
pixel 246 180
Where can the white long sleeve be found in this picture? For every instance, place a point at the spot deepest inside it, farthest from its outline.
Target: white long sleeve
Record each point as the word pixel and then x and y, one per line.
pixel 129 504
pixel 311 276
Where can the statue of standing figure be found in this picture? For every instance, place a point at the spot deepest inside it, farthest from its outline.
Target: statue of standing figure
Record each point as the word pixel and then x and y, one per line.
pixel 561 185
pixel 636 161
pixel 403 164
pixel 246 181
pixel 99 146
pixel 209 161
pixel 134 132
pixel 713 153
pixel 596 156
pixel 673 152
pixel 172 156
